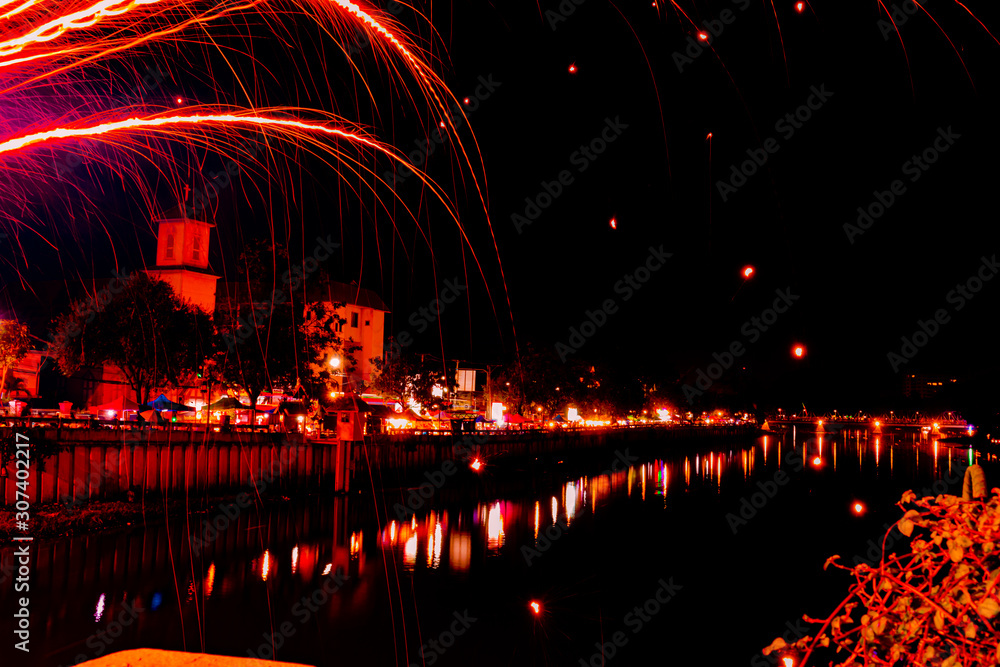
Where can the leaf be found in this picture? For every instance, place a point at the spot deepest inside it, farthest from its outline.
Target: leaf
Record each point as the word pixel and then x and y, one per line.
pixel 908 497
pixel 880 624
pixel 988 608
pixel 905 527
pixel 970 631
pixel 776 645
pixel 939 620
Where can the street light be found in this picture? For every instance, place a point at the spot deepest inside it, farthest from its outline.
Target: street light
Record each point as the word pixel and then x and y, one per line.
pixel 335 362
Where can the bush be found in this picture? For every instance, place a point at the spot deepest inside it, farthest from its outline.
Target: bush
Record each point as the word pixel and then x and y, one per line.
pixel 936 605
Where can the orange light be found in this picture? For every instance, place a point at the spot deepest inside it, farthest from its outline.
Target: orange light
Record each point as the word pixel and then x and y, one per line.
pixel 180 100
pixel 818 461
pixel 859 508
pixel 799 351
pixel 614 224
pixel 703 36
pixel 536 607
pixel 441 123
pixel 572 69
pixel 708 136
pixel 466 100
pixel 476 464
pixel 747 271
pixel 800 7
pixel 787 662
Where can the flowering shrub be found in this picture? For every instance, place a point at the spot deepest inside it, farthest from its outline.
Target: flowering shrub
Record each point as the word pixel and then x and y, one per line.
pixel 936 605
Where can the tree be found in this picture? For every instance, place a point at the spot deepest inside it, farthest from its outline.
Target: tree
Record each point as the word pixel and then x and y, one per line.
pixel 145 330
pixel 412 380
pixel 272 339
pixel 14 342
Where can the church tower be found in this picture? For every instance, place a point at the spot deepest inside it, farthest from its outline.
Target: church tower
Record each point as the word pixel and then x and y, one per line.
pixel 182 260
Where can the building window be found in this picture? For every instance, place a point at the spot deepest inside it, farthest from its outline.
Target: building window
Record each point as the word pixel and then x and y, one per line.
pixel 170 246
pixel 354 320
pixel 338 326
pixel 196 254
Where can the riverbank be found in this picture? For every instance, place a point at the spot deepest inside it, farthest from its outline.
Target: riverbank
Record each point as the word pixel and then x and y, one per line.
pixel 505 461
pixel 58 520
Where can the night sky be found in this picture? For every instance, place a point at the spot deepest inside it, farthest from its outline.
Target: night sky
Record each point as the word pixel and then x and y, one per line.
pixel 855 294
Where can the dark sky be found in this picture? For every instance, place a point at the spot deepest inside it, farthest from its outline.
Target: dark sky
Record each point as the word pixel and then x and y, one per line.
pixel 854 299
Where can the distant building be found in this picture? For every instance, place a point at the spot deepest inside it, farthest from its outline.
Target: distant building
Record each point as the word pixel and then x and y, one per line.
pixel 182 247
pixel 923 386
pixel 182 260
pixel 363 311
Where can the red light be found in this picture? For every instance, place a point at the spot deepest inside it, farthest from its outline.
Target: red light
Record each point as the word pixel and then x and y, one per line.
pixel 747 271
pixel 614 224
pixel 787 662
pixel 572 69
pixel 800 7
pixel 799 351
pixel 703 36
pixel 709 136
pixel 180 100
pixel 441 123
pixel 859 508
pixel 476 464
pixel 818 461
pixel 466 100
pixel 535 607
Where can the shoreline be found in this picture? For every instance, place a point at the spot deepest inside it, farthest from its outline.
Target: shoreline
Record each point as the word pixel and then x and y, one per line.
pixel 51 521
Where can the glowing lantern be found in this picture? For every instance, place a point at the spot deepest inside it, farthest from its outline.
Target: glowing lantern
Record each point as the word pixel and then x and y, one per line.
pixel 536 607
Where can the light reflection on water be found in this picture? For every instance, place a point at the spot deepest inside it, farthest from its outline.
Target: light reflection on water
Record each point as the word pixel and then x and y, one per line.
pixel 80 583
pixel 498 522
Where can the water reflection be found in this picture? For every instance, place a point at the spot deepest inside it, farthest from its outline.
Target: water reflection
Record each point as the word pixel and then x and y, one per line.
pixel 267 561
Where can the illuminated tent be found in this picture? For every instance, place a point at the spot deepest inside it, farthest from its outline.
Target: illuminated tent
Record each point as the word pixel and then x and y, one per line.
pixel 228 403
pixel 122 404
pixel 161 402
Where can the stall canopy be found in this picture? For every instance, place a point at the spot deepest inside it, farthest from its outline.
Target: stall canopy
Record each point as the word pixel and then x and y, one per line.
pixel 515 419
pixel 412 416
pixel 385 412
pixel 228 403
pixel 349 403
pixel 122 404
pixel 161 402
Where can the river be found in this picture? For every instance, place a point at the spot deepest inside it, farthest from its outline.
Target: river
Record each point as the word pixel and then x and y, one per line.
pixel 697 553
